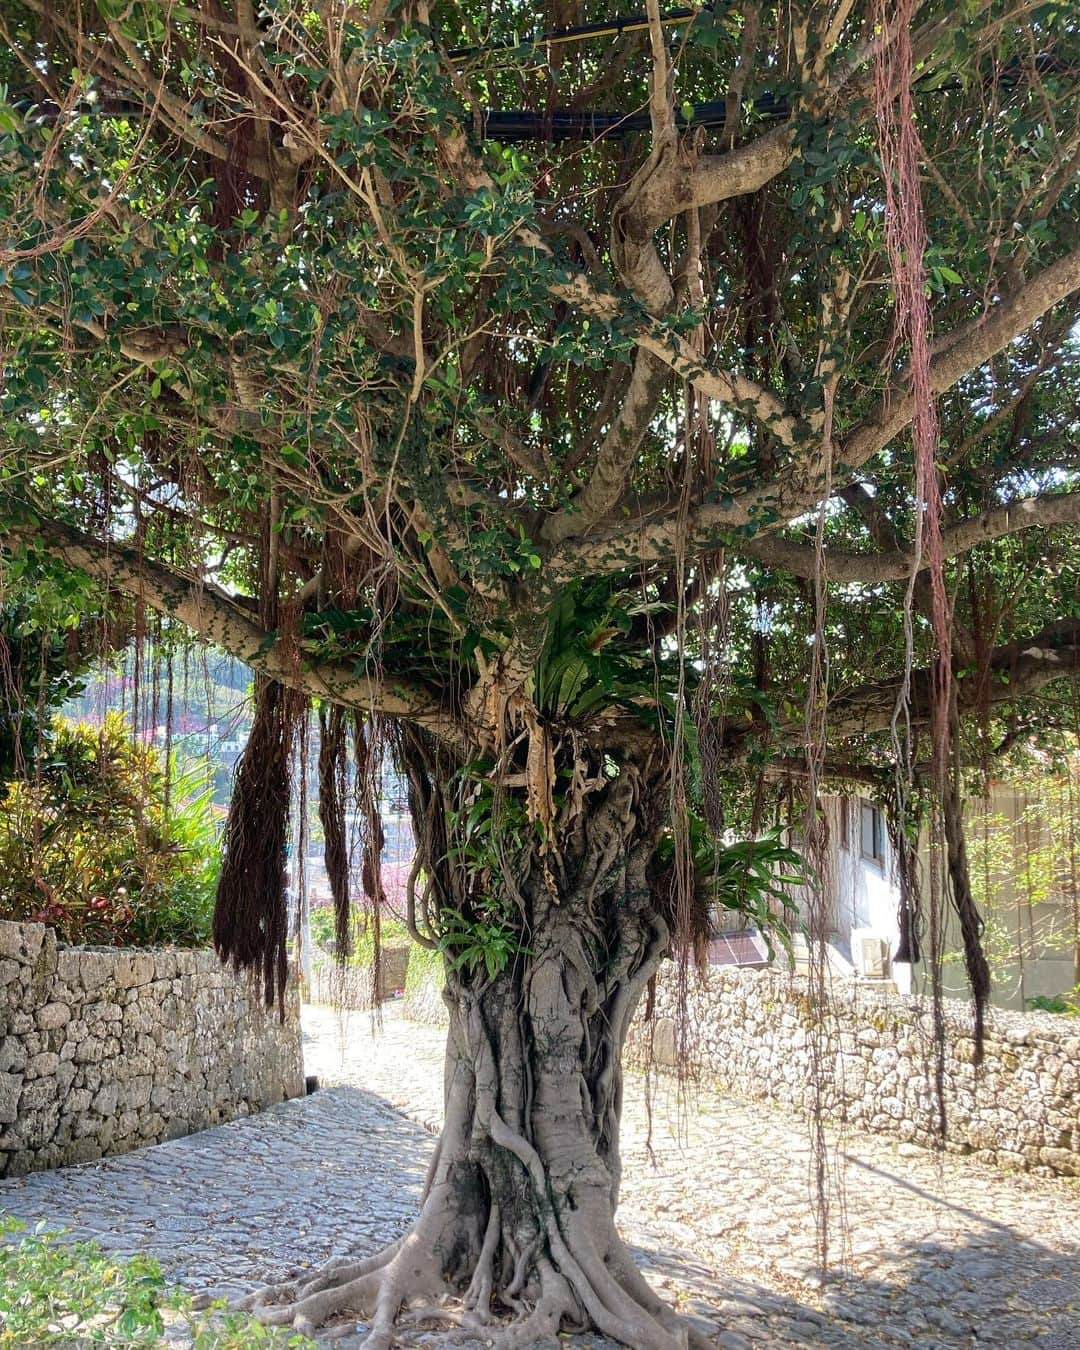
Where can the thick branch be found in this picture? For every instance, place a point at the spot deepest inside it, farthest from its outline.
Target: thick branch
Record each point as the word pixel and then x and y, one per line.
pixel 215 616
pixel 1017 670
pixel 723 386
pixel 610 478
pixel 717 178
pixel 799 487
pixel 968 349
pixel 748 167
pixel 1062 508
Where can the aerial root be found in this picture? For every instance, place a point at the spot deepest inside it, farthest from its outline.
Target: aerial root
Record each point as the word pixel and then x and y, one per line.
pixel 521 1267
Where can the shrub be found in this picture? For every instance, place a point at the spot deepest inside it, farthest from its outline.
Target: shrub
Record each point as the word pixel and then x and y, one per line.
pixel 54 1292
pixel 392 933
pixel 94 845
pixel 1067 1003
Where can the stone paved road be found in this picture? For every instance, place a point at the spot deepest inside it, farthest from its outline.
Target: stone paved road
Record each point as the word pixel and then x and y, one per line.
pixel 939 1252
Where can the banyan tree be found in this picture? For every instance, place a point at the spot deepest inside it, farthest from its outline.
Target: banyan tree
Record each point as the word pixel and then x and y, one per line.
pixel 595 417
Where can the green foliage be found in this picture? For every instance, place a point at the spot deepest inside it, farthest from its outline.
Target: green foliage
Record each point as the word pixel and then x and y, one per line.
pixel 392 932
pixel 477 944
pixel 487 831
pixel 51 630
pixel 1067 1003
pixel 1024 859
pixel 89 844
pixel 752 878
pixel 428 350
pixel 54 1292
pixel 487 827
pixel 426 969
pixel 320 294
pixel 587 661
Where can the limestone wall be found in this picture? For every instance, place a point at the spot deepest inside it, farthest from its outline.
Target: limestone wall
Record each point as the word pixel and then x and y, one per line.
pixel 424 982
pixel 750 1030
pixel 104 1050
pixel 350 985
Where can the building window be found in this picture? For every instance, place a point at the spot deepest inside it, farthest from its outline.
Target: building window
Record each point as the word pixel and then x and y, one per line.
pixel 872 833
pixel 845 827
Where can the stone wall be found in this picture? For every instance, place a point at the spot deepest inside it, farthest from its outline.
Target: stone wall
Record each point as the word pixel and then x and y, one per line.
pixel 751 1030
pixel 424 983
pixel 350 985
pixel 104 1050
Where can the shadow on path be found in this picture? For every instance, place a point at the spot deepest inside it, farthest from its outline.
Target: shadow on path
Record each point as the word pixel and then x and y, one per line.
pixel 263 1198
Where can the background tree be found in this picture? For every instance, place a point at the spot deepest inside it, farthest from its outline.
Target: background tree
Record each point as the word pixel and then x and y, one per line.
pixel 53 629
pixel 536 461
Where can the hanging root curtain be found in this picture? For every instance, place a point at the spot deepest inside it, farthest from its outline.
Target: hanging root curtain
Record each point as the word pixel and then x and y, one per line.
pixel 250 918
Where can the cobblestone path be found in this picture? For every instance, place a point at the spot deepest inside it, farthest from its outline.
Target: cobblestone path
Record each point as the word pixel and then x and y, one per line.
pixel 939 1252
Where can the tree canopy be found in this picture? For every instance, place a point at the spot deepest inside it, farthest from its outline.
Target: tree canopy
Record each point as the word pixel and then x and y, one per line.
pixel 601 466
pixel 269 258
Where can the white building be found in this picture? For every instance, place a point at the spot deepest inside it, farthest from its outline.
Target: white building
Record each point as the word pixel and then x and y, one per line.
pixel 1025 887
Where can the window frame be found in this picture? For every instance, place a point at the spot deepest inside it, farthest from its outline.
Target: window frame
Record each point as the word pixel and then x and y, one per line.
pixel 877 833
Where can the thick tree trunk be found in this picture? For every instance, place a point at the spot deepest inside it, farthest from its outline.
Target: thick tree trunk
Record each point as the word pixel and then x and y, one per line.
pixel 518 1215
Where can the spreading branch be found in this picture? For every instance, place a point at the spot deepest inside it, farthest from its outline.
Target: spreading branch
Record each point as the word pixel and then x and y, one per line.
pixel 800 485
pixel 1015 671
pixel 1062 508
pixel 215 616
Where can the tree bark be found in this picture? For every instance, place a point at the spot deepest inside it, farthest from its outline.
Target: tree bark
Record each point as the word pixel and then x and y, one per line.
pixel 518 1216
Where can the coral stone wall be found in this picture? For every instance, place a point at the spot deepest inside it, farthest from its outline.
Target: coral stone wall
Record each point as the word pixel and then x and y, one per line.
pixel 104 1050
pixel 751 1031
pixel 351 985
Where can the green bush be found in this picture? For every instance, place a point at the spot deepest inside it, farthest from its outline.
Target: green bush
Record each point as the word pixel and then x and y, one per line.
pixel 93 844
pixel 1067 1003
pixel 426 969
pixel 392 933
pixel 54 1292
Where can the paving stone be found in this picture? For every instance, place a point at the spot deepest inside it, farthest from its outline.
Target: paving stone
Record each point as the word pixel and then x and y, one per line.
pixel 717 1206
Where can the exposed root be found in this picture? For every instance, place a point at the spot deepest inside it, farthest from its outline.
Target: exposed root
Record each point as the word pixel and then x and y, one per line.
pixel 572 1288
pixel 353 1296
pixel 517 1213
pixel 636 1285
pixel 433 1312
pixel 478 1294
pixel 374 1289
pixel 338 1270
pixel 556 1303
pixel 612 1310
